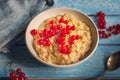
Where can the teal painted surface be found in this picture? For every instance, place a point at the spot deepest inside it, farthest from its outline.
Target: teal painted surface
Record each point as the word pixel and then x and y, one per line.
pixel 91 6
pixel 93 67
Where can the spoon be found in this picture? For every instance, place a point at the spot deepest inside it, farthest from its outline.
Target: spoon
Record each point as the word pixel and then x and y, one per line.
pixel 113 63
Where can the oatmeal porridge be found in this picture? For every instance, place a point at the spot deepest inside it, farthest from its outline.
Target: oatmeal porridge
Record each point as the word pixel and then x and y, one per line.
pixel 62 40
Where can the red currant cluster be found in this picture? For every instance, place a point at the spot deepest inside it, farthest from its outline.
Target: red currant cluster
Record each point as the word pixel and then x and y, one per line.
pixel 73 38
pixel 17 75
pixel 103 34
pixel 65 49
pixel 115 29
pixel 61 33
pixel 101 20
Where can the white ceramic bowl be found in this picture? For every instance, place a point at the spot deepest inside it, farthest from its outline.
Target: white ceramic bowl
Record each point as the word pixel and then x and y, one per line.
pixel 34 24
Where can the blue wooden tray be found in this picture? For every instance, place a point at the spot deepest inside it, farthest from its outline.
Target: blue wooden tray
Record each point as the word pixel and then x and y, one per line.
pixel 92 68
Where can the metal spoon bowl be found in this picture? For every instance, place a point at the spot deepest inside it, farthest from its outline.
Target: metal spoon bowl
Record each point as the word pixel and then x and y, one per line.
pixel 113 63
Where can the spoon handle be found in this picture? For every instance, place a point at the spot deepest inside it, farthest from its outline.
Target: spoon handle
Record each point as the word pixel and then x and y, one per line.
pixel 102 75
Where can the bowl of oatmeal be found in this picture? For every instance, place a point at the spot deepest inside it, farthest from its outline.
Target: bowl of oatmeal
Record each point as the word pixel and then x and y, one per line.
pixel 61 37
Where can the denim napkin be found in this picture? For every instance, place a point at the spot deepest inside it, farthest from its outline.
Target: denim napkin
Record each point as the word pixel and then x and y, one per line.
pixel 15 16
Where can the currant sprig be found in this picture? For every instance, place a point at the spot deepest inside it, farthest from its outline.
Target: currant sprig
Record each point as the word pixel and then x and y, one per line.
pixel 103 31
pixel 18 75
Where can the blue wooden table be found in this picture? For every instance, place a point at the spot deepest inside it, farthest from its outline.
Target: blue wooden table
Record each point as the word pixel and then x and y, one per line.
pixel 92 68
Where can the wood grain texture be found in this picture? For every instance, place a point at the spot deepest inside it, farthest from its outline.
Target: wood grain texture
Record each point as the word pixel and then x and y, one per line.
pixel 92 68
pixel 91 6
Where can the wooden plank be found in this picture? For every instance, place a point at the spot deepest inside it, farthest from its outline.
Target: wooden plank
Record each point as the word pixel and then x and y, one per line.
pixel 91 6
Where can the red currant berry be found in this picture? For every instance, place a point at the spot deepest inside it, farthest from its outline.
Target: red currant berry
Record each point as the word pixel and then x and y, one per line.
pixel 51 32
pixel 109 34
pixel 22 74
pixel 56 31
pixel 68 27
pixel 104 36
pixel 59 27
pixel 12 74
pixel 73 37
pixel 33 32
pixel 71 41
pixel 67 31
pixel 61 40
pixel 65 49
pixel 68 51
pixel 62 49
pixel 101 25
pixel 61 20
pixel 114 26
pixel 53 27
pixel 18 70
pixel 46 39
pixel 101 32
pixel 47 43
pixel 102 19
pixel 51 22
pixel 40 41
pixel 103 22
pixel 66 21
pixel 77 37
pixel 63 32
pixel 67 46
pixel 45 31
pixel 101 14
pixel 47 36
pixel 116 32
pixel 111 28
pixel 41 34
pixel 72 27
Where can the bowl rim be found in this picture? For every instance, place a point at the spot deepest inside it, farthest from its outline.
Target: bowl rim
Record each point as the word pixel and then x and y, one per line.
pixel 69 65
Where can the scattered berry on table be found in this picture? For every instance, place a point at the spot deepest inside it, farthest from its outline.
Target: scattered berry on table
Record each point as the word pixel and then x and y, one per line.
pixel 17 75
pixel 101 20
pixel 103 31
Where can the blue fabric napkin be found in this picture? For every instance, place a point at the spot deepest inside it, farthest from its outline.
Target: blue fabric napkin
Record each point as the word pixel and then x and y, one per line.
pixel 15 16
